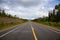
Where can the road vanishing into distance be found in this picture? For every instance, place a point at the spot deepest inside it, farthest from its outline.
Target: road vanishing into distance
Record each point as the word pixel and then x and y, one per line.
pixel 30 31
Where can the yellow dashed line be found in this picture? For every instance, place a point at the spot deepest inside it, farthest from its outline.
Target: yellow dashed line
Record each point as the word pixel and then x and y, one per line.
pixel 34 34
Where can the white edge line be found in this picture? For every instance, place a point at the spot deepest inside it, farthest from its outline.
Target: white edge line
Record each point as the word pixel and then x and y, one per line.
pixel 52 29
pixel 8 32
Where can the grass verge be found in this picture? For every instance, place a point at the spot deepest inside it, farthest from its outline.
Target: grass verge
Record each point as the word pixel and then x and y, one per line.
pixel 51 24
pixel 8 25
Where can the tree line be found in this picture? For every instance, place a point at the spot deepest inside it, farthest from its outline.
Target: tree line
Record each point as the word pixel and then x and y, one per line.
pixel 53 16
pixel 4 14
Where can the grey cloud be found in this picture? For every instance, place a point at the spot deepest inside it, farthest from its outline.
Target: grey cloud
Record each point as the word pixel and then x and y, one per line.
pixel 26 9
pixel 20 2
pixel 0 1
pixel 28 16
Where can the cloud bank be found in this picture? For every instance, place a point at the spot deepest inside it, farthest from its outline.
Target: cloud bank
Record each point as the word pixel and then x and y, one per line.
pixel 28 9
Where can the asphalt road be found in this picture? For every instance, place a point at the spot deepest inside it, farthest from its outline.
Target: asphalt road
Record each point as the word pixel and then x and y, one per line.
pixel 30 31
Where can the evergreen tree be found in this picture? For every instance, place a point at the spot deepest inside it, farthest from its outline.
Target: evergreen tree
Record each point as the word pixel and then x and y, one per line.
pixel 55 16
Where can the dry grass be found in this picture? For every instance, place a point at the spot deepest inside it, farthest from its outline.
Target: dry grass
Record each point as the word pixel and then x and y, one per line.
pixel 6 22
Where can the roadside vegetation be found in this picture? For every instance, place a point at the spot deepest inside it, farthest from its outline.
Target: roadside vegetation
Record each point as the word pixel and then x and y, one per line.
pixel 53 18
pixel 7 20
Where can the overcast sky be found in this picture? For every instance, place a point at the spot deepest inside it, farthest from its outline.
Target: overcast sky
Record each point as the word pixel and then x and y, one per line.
pixel 28 9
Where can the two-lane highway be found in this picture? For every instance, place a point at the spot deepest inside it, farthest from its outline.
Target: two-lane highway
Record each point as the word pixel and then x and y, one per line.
pixel 30 31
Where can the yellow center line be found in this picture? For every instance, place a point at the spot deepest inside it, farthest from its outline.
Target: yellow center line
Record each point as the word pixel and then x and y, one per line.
pixel 34 34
